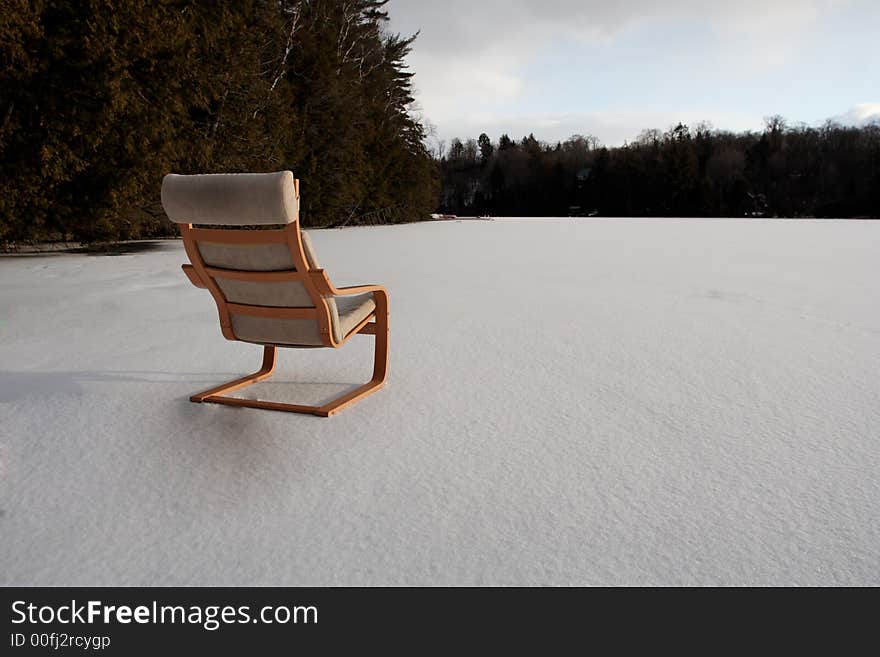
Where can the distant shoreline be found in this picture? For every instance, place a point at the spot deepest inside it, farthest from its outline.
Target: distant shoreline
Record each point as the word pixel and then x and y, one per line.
pixel 118 247
pixel 124 247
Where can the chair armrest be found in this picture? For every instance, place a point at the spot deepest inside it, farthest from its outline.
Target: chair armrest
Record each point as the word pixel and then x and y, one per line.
pixel 359 289
pixel 322 281
pixel 193 276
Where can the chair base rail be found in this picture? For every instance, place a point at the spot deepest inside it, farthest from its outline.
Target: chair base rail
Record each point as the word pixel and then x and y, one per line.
pixel 379 329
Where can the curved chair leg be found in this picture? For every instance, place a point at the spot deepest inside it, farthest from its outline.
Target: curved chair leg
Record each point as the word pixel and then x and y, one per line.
pixel 263 373
pixel 378 328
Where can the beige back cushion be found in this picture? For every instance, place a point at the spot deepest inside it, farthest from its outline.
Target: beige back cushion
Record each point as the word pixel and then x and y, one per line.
pixel 282 294
pixel 256 257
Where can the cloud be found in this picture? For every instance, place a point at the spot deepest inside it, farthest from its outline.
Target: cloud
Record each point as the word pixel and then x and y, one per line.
pixel 610 128
pixel 456 24
pixel 479 65
pixel 860 115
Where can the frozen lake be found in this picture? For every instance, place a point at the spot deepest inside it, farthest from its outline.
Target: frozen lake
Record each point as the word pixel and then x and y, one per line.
pixel 570 401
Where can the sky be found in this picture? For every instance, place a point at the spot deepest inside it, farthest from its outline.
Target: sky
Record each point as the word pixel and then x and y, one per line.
pixel 613 68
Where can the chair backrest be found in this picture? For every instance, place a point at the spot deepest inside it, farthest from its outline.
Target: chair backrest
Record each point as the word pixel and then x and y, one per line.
pixel 266 281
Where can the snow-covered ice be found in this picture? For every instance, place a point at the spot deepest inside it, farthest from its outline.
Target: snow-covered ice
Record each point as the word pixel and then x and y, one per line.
pixel 570 401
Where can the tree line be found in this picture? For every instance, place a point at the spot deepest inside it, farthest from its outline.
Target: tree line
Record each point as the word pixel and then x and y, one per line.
pixel 800 171
pixel 100 98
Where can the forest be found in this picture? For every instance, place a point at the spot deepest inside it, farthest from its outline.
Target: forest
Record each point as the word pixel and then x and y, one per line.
pixel 100 98
pixel 800 171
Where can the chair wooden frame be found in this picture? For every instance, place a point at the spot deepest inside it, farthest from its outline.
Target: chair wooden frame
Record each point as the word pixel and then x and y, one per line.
pixel 318 286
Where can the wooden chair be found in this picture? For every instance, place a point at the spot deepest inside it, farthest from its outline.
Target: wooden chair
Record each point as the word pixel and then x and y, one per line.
pixel 267 283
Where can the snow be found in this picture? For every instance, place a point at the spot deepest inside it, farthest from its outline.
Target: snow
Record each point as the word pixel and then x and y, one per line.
pixel 570 401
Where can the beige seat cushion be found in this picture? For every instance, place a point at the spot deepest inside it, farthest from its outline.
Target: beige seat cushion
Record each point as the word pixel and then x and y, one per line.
pixel 345 314
pixel 352 311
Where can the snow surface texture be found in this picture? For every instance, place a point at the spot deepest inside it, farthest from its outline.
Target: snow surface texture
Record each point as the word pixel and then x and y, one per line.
pixel 570 401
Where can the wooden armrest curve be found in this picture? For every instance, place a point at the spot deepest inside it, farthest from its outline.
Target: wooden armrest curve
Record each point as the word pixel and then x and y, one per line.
pixel 193 276
pixel 325 286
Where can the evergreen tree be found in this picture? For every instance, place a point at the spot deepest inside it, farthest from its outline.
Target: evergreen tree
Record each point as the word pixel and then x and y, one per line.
pixel 99 99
